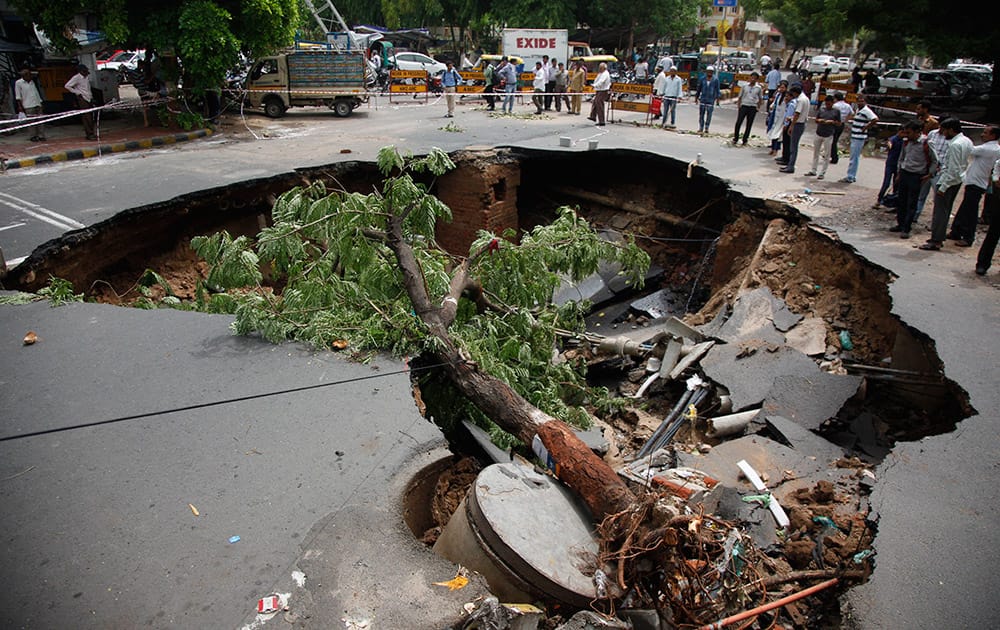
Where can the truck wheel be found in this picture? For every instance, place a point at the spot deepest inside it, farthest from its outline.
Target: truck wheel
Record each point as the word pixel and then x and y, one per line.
pixel 342 108
pixel 274 108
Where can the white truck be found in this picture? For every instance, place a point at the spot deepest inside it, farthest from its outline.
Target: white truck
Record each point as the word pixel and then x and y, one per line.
pixel 531 43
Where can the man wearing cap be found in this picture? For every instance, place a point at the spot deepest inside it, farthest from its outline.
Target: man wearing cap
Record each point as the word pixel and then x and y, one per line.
pixel 708 97
pixel 79 86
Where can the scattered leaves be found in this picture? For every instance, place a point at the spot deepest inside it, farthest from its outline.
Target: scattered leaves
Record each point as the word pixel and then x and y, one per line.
pixel 30 338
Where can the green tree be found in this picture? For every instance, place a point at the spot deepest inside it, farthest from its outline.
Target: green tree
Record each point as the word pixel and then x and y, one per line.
pixel 366 269
pixel 668 18
pixel 804 23
pixel 206 34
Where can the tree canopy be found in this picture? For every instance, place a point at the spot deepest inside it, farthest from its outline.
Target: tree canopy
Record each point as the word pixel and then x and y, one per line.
pixel 207 35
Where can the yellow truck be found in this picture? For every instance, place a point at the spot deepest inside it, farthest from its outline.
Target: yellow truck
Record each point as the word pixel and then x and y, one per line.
pixel 308 78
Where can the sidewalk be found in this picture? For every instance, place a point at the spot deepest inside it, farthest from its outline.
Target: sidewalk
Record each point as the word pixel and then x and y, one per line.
pixel 116 131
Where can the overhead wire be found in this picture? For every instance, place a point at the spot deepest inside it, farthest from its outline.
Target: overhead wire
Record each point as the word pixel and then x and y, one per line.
pixel 216 403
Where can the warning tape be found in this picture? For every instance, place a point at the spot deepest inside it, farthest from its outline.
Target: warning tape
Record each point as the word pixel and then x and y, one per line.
pixel 119 105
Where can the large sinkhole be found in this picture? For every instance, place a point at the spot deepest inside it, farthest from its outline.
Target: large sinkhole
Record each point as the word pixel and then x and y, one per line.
pixel 758 336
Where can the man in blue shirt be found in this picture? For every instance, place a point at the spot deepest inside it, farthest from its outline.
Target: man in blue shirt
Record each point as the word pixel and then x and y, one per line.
pixel 450 81
pixel 708 98
pixel 508 78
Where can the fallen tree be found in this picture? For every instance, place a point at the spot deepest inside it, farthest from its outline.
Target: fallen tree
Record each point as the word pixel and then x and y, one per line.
pixel 365 270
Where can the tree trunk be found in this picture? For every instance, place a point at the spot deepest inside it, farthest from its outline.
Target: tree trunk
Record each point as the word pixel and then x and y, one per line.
pixel 578 467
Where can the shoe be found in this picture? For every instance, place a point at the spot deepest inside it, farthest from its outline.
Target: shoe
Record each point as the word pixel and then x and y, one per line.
pixel 599 125
pixel 819 176
pixel 963 244
pixel 811 174
pixel 888 209
pixel 846 180
pixel 904 235
pixel 930 246
pixel 834 161
pixel 591 119
pixel 772 152
pixel 744 143
pixel 877 206
pixel 980 271
pixel 701 131
pixel 896 228
pixel 780 161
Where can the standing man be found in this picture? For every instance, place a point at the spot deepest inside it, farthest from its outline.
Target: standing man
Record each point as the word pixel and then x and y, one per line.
pixel 641 71
pixel 451 80
pixel 489 74
pixel 861 122
pixel 708 98
pixel 765 64
pixel 577 79
pixel 977 180
pixel 79 86
pixel 666 62
pixel 550 83
pixel 796 127
pixel 602 85
pixel 671 92
pixel 562 80
pixel 846 111
pixel 949 179
pixel 916 163
pixel 751 96
pixel 827 119
pixel 773 78
pixel 985 257
pixel 939 145
pixel 29 102
pixel 508 79
pixel 929 122
pixel 538 84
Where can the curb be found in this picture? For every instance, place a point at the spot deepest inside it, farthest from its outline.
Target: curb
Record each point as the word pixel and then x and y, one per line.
pixel 117 147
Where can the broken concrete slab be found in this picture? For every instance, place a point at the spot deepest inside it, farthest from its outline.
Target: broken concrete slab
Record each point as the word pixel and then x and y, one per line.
pixel 757 313
pixel 803 440
pixel 810 398
pixel 726 502
pixel 769 458
pixel 808 337
pixel 863 427
pixel 751 379
pixel 662 303
pixel 694 354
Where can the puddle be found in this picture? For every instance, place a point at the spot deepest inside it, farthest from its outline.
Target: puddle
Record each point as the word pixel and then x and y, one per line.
pixel 708 243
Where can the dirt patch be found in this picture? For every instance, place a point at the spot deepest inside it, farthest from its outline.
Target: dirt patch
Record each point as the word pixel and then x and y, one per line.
pixel 451 487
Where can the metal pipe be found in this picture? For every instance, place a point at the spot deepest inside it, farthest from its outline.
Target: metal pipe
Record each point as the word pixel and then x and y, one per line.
pixel 731 424
pixel 647 447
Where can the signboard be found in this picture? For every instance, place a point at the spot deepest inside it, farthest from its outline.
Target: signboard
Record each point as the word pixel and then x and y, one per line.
pixel 630 106
pixel 632 88
pixel 531 43
pixel 472 75
pixel 839 87
pixel 724 3
pixel 470 89
pixel 407 89
pixel 407 74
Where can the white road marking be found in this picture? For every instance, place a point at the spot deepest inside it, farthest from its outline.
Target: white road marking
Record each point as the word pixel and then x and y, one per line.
pixel 12 226
pixel 27 207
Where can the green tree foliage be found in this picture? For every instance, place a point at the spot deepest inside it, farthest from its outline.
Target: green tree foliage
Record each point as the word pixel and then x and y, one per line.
pixel 669 18
pixel 804 23
pixel 323 273
pixel 206 34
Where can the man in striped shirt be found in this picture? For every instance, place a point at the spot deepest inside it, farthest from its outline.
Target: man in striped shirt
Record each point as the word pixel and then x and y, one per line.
pixel 861 122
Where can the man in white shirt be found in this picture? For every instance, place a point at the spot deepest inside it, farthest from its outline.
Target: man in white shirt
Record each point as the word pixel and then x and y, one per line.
pixel 796 126
pixel 539 86
pixel 976 180
pixel 602 85
pixel 846 111
pixel 641 70
pixel 671 90
pixel 954 161
pixel 750 98
pixel 79 86
pixel 666 62
pixel 550 82
pixel 985 257
pixel 29 102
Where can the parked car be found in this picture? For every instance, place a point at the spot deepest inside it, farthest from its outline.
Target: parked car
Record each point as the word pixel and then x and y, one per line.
pixel 845 64
pixel 968 83
pixel 124 62
pixel 873 63
pixel 417 61
pixel 923 81
pixel 822 63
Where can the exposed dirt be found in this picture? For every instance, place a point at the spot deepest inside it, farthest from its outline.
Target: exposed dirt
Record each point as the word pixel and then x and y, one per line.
pixel 451 487
pixel 180 267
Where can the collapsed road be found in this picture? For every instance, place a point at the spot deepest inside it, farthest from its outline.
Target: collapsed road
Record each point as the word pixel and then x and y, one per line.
pixel 874 381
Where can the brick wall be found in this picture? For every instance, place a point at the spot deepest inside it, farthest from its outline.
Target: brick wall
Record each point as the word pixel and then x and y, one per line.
pixel 482 195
